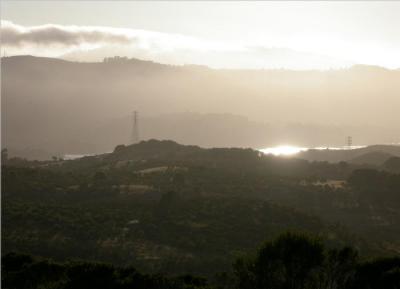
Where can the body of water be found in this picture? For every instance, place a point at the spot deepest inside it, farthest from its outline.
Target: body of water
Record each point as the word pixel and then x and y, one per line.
pixel 287 150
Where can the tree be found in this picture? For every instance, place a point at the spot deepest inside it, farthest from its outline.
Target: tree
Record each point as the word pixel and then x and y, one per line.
pixel 290 262
pixel 99 176
pixel 90 275
pixel 166 204
pixel 340 268
pixel 119 148
pixel 377 274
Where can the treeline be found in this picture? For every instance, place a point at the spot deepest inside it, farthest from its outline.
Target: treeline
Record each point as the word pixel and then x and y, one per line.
pixel 173 235
pixel 374 180
pixel 22 271
pixel 159 205
pixel 292 261
pixel 295 261
pixel 163 207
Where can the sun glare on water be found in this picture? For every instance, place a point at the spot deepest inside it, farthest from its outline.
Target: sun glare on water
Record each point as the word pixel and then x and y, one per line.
pixel 284 150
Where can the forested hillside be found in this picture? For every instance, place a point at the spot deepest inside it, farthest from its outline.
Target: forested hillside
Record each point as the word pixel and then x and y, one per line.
pixel 164 207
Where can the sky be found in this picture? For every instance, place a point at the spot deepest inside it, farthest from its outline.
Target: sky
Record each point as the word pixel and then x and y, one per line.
pixel 291 35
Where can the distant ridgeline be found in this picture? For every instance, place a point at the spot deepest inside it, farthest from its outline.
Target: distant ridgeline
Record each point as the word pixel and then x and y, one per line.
pixel 375 155
pixel 167 208
pixel 248 105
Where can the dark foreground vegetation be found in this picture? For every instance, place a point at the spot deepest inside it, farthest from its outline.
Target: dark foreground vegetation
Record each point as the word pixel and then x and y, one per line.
pixel 169 209
pixel 292 261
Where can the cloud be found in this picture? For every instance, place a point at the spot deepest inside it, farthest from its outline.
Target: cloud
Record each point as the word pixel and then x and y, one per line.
pixel 93 43
pixel 16 35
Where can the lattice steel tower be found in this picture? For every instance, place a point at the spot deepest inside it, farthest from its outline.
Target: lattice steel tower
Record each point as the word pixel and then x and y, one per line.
pixel 135 128
pixel 349 142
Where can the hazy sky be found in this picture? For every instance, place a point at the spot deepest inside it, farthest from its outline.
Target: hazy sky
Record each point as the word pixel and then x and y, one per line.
pixel 219 34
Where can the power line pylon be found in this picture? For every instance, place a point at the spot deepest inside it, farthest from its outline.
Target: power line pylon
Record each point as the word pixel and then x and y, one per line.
pixel 135 128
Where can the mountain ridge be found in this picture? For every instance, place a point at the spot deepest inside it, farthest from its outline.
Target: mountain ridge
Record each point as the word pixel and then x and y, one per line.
pixel 121 60
pixel 63 107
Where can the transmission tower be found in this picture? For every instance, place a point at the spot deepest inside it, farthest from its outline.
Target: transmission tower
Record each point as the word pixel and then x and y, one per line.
pixel 135 128
pixel 349 142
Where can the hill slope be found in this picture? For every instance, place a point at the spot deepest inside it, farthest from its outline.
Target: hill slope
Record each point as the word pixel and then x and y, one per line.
pixel 65 107
pixel 167 207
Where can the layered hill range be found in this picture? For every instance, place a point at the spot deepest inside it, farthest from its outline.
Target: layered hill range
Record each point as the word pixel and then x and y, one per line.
pixel 384 156
pixel 166 207
pixel 55 107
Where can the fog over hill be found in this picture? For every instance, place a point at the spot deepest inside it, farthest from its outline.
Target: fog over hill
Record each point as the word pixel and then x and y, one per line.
pixel 53 106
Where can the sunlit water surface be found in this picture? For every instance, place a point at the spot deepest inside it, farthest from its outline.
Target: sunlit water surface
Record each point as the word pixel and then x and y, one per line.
pixel 288 150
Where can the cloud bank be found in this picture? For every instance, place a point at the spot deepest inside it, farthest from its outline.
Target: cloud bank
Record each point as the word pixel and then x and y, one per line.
pixel 15 35
pixel 93 43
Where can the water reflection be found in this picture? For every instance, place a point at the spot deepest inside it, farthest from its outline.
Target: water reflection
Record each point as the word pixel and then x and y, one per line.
pixel 287 150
